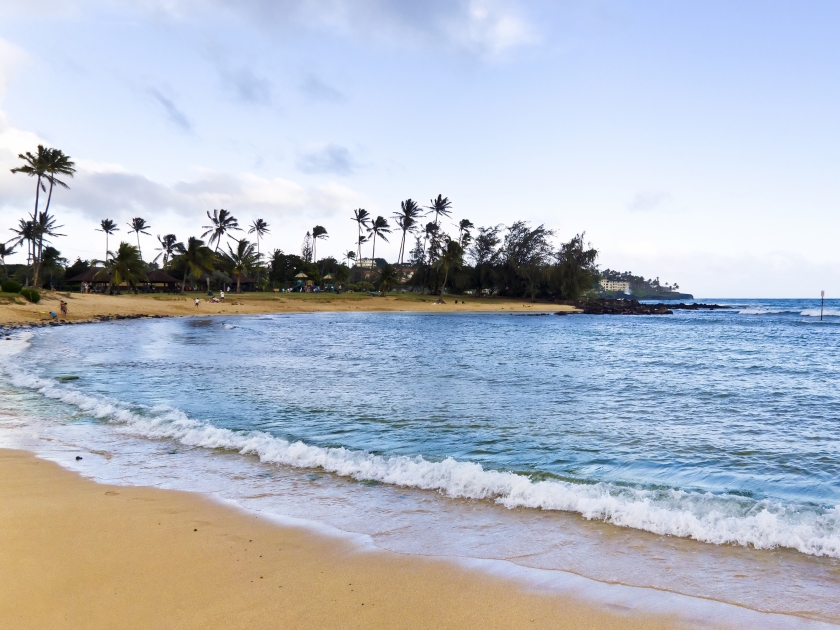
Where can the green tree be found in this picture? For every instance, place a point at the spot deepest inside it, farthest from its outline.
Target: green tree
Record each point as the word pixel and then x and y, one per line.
pixel 195 258
pixel 260 229
pixel 451 259
pixel 406 220
pixel 379 227
pixel 139 226
pixel 5 250
pixel 35 166
pixel 319 232
pixel 56 164
pixel 362 218
pixel 125 265
pixel 485 254
pixel 575 271
pixel 464 236
pixel 109 227
pixel 240 261
pixel 167 249
pixel 527 252
pixel 221 222
pixel 388 278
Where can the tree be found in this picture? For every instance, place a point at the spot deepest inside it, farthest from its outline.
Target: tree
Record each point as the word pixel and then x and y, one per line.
pixel 240 260
pixel 25 232
pixel 139 226
pixel 452 258
pixel 362 218
pixel 125 265
pixel 56 164
pixel 527 252
pixel 442 207
pixel 109 227
pixel 387 278
pixel 5 250
pixel 484 253
pixel 464 236
pixel 195 258
pixel 575 271
pixel 167 248
pixel 306 247
pixel 43 227
pixel 260 229
pixel 52 263
pixel 379 227
pixel 349 256
pixel 221 222
pixel 319 232
pixel 406 220
pixel 35 166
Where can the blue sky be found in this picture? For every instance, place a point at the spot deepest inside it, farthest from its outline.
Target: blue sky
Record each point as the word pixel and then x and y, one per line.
pixel 693 141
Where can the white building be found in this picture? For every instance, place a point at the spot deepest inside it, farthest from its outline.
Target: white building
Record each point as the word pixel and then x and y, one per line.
pixel 366 263
pixel 616 286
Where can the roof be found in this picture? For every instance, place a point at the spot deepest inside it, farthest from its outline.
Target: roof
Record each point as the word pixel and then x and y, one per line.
pixel 329 276
pixel 243 279
pixel 160 276
pixel 88 276
pixel 301 275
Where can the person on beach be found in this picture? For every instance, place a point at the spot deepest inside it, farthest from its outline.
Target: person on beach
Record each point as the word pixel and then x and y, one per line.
pixel 197 302
pixel 222 296
pixel 63 308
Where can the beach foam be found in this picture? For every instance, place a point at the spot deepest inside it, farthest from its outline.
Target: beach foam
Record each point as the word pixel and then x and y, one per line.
pixel 707 517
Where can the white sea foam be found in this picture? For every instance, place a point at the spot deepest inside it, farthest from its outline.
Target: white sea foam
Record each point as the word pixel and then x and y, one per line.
pixel 719 519
pixel 815 312
pixel 762 311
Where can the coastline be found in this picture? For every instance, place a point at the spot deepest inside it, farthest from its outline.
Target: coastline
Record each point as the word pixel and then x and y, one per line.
pixel 84 555
pixel 84 308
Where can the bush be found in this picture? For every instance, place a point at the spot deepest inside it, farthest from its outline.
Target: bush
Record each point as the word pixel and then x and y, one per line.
pixel 10 286
pixel 362 286
pixel 31 294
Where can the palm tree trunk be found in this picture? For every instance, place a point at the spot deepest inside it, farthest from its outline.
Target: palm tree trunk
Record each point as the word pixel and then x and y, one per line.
pixel 373 254
pixel 445 276
pixel 359 242
pixel 184 283
pixel 238 280
pixel 402 248
pixel 139 251
pixel 37 196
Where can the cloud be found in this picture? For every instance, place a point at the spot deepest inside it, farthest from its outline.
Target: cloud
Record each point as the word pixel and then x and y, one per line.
pixel 331 158
pixel 175 115
pixel 317 90
pixel 12 60
pixel 648 201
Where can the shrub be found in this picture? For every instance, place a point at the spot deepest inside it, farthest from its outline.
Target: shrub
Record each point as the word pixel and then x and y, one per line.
pixel 31 294
pixel 10 286
pixel 362 286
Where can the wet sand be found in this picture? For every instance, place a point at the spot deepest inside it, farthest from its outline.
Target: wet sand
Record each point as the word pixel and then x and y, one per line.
pixel 77 554
pixel 89 307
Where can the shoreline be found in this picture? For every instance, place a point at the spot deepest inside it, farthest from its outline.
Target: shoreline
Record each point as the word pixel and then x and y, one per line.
pixel 87 555
pixel 89 308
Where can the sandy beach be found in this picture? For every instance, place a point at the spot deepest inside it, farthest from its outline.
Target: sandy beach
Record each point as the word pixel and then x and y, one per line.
pixel 87 307
pixel 77 554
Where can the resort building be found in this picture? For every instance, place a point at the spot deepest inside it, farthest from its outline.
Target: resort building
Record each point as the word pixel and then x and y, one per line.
pixel 366 263
pixel 615 286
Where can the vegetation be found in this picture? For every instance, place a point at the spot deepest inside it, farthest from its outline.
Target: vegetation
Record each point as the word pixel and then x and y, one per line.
pixel 516 260
pixel 10 286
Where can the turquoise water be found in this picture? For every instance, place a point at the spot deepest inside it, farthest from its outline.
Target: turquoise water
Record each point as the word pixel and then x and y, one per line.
pixel 721 427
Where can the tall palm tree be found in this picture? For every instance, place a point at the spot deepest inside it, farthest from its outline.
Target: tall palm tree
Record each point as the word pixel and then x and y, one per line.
pixel 56 164
pixel 362 218
pixel 139 226
pixel 5 250
pixel 351 255
pixel 25 232
pixel 407 221
pixel 452 258
pixel 195 257
pixel 34 166
pixel 221 222
pixel 125 265
pixel 241 260
pixel 109 227
pixel 378 227
pixel 168 247
pixel 441 206
pixel 260 228
pixel 318 232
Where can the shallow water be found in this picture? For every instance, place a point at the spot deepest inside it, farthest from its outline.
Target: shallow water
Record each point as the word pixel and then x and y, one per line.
pixel 605 446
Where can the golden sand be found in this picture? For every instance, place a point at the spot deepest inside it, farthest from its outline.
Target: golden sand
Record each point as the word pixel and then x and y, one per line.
pixel 85 307
pixel 78 555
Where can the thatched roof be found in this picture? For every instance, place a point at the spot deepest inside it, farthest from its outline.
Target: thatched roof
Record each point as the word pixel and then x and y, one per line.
pixel 301 275
pixel 158 276
pixel 88 276
pixel 242 279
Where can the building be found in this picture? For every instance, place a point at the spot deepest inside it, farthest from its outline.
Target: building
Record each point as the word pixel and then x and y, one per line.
pixel 615 286
pixel 366 263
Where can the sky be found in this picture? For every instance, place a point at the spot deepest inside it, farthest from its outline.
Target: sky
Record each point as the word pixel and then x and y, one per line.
pixel 696 141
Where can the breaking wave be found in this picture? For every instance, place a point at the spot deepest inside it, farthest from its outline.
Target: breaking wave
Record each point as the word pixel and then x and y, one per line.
pixel 707 517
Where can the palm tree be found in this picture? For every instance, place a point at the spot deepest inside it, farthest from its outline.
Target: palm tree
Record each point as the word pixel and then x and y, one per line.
pixel 441 207
pixel 125 265
pixel 318 232
pixel 222 222
pixel 387 278
pixel 452 258
pixel 109 227
pixel 139 226
pixel 55 163
pixel 464 236
pixel 241 260
pixel 25 231
pixel 379 227
pixel 362 217
pixel 351 255
pixel 260 228
pixel 407 220
pixel 168 247
pixel 195 258
pixel 35 166
pixel 5 250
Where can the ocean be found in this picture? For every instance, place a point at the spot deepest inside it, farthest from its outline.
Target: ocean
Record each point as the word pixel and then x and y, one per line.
pixel 696 454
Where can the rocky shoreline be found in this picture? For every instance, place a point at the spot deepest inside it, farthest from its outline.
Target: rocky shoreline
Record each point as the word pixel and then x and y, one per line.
pixel 603 306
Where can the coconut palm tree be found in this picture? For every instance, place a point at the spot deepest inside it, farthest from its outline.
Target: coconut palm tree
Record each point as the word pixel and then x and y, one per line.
pixel 407 220
pixel 109 227
pixel 452 258
pixel 139 226
pixel 56 164
pixel 241 260
pixel 349 256
pixel 5 250
pixel 168 247
pixel 362 218
pixel 195 257
pixel 318 232
pixel 388 278
pixel 221 222
pixel 378 227
pixel 260 228
pixel 25 232
pixel 35 166
pixel 125 265
pixel 464 236
pixel 441 206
